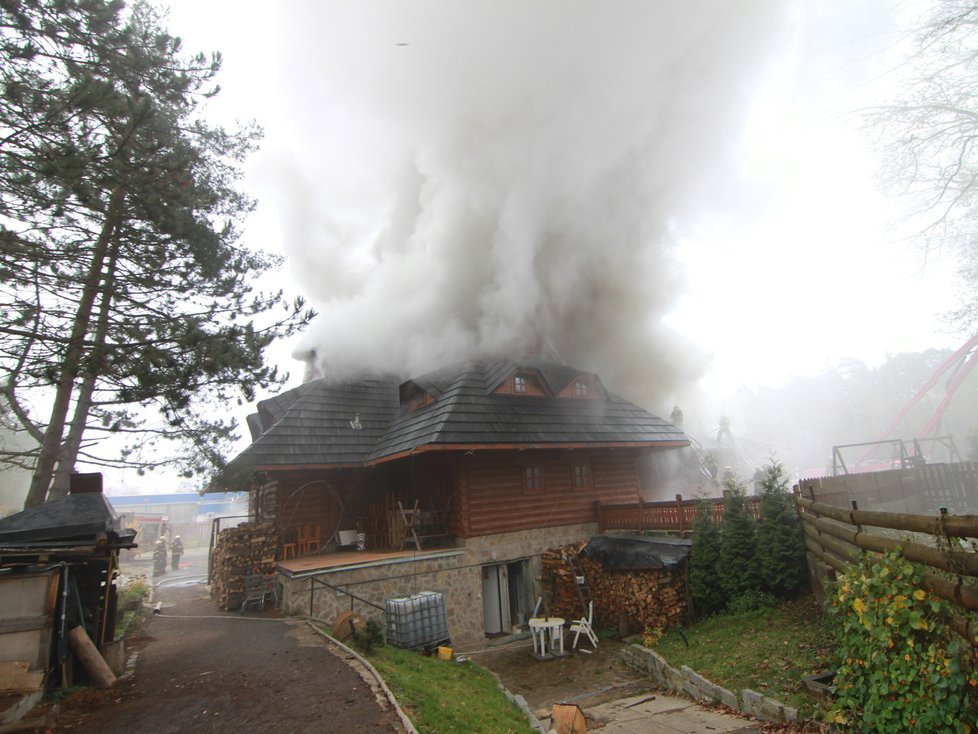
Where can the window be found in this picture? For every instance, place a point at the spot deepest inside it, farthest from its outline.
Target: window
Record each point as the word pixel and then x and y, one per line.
pixel 533 479
pixel 580 389
pixel 582 476
pixel 519 384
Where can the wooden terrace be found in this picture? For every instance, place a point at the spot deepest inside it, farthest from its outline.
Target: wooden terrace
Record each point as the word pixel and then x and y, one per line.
pixel 343 559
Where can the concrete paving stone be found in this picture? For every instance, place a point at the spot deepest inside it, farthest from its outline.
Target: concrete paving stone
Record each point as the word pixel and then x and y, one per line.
pixel 697 720
pixel 664 714
pixel 639 706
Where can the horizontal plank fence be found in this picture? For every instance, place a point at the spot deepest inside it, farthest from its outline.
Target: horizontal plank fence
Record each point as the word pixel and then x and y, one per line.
pixel 677 516
pixel 835 536
pixel 921 489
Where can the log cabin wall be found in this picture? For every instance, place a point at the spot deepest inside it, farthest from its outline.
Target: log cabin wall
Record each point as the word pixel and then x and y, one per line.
pixel 263 502
pixel 304 499
pixel 437 485
pixel 494 498
pixel 331 499
pixel 430 480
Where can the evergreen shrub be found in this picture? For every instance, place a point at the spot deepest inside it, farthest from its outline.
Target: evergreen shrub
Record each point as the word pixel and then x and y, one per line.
pixel 780 548
pixel 704 564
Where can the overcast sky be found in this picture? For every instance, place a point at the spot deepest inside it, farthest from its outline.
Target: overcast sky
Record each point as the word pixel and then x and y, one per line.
pixel 676 194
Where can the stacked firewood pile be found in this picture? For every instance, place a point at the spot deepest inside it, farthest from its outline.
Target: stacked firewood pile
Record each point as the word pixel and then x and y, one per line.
pixel 249 547
pixel 635 598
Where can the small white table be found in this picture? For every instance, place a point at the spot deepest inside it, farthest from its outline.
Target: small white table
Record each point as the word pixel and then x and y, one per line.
pixel 543 627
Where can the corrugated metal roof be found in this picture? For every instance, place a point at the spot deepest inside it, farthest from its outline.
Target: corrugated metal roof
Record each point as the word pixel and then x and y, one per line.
pixel 317 422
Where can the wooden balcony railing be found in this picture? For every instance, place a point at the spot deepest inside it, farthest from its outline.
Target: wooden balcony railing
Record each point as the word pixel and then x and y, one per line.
pixel 677 516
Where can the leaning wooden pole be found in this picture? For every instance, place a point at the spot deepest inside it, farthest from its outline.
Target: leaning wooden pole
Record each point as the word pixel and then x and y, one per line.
pixel 83 647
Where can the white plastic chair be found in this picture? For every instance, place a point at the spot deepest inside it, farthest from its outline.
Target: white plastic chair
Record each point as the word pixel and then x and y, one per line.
pixel 584 625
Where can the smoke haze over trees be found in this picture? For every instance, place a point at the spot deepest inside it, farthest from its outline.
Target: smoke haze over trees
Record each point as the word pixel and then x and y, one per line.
pixel 802 420
pixel 928 135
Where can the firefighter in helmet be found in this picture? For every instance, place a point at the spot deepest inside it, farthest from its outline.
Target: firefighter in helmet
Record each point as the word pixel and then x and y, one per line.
pixel 176 550
pixel 159 557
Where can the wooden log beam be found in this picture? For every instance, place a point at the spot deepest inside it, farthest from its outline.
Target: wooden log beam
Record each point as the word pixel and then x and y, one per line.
pixel 827 558
pixel 954 561
pixel 967 628
pixel 846 551
pixel 963 594
pixel 91 659
pixel 958 526
pixel 957 561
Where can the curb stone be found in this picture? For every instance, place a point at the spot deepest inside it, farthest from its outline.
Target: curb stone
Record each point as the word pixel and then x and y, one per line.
pixel 521 703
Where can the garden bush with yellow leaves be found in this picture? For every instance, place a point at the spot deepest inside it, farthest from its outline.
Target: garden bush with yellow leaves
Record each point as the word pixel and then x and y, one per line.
pixel 900 667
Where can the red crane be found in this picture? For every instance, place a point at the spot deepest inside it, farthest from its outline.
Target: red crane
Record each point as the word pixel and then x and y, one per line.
pixel 957 367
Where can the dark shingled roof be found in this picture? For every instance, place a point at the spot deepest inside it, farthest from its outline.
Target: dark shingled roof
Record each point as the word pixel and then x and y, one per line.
pixel 314 423
pixel 72 519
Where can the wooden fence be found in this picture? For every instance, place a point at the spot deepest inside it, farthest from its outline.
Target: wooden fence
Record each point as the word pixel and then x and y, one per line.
pixel 921 489
pixel 677 516
pixel 837 535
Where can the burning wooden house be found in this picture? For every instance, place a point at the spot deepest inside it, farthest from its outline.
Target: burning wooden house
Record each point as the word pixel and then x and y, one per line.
pixel 457 480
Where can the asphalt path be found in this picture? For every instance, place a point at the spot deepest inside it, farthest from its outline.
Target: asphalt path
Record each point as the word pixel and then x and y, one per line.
pixel 194 668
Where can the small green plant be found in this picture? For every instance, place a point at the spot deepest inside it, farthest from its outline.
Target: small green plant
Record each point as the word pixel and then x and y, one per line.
pixel 750 602
pixel 652 635
pixel 135 591
pixel 369 638
pixel 131 600
pixel 900 666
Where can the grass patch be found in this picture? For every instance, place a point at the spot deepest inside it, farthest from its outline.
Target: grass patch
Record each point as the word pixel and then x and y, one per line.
pixel 769 651
pixel 445 697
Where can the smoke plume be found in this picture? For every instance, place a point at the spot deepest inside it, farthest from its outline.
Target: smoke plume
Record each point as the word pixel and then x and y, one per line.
pixel 510 178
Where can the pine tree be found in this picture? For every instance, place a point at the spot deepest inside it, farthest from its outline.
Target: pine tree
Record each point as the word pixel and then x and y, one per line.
pixel 780 549
pixel 738 559
pixel 704 564
pixel 124 288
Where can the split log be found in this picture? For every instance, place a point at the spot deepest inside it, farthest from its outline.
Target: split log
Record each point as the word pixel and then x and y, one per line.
pixel 248 547
pixel 654 597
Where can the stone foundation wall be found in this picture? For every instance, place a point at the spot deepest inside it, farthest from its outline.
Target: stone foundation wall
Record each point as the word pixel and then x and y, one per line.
pixel 447 572
pixel 457 573
pixel 688 681
pixel 530 544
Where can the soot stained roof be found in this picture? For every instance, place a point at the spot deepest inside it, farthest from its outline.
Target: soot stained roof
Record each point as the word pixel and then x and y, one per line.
pixel 357 422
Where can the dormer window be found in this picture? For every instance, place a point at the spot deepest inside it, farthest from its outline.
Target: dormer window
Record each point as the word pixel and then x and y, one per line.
pixel 582 387
pixel 414 397
pixel 523 383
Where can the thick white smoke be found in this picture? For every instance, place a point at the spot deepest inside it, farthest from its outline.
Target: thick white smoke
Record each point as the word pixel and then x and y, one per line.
pixel 510 177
